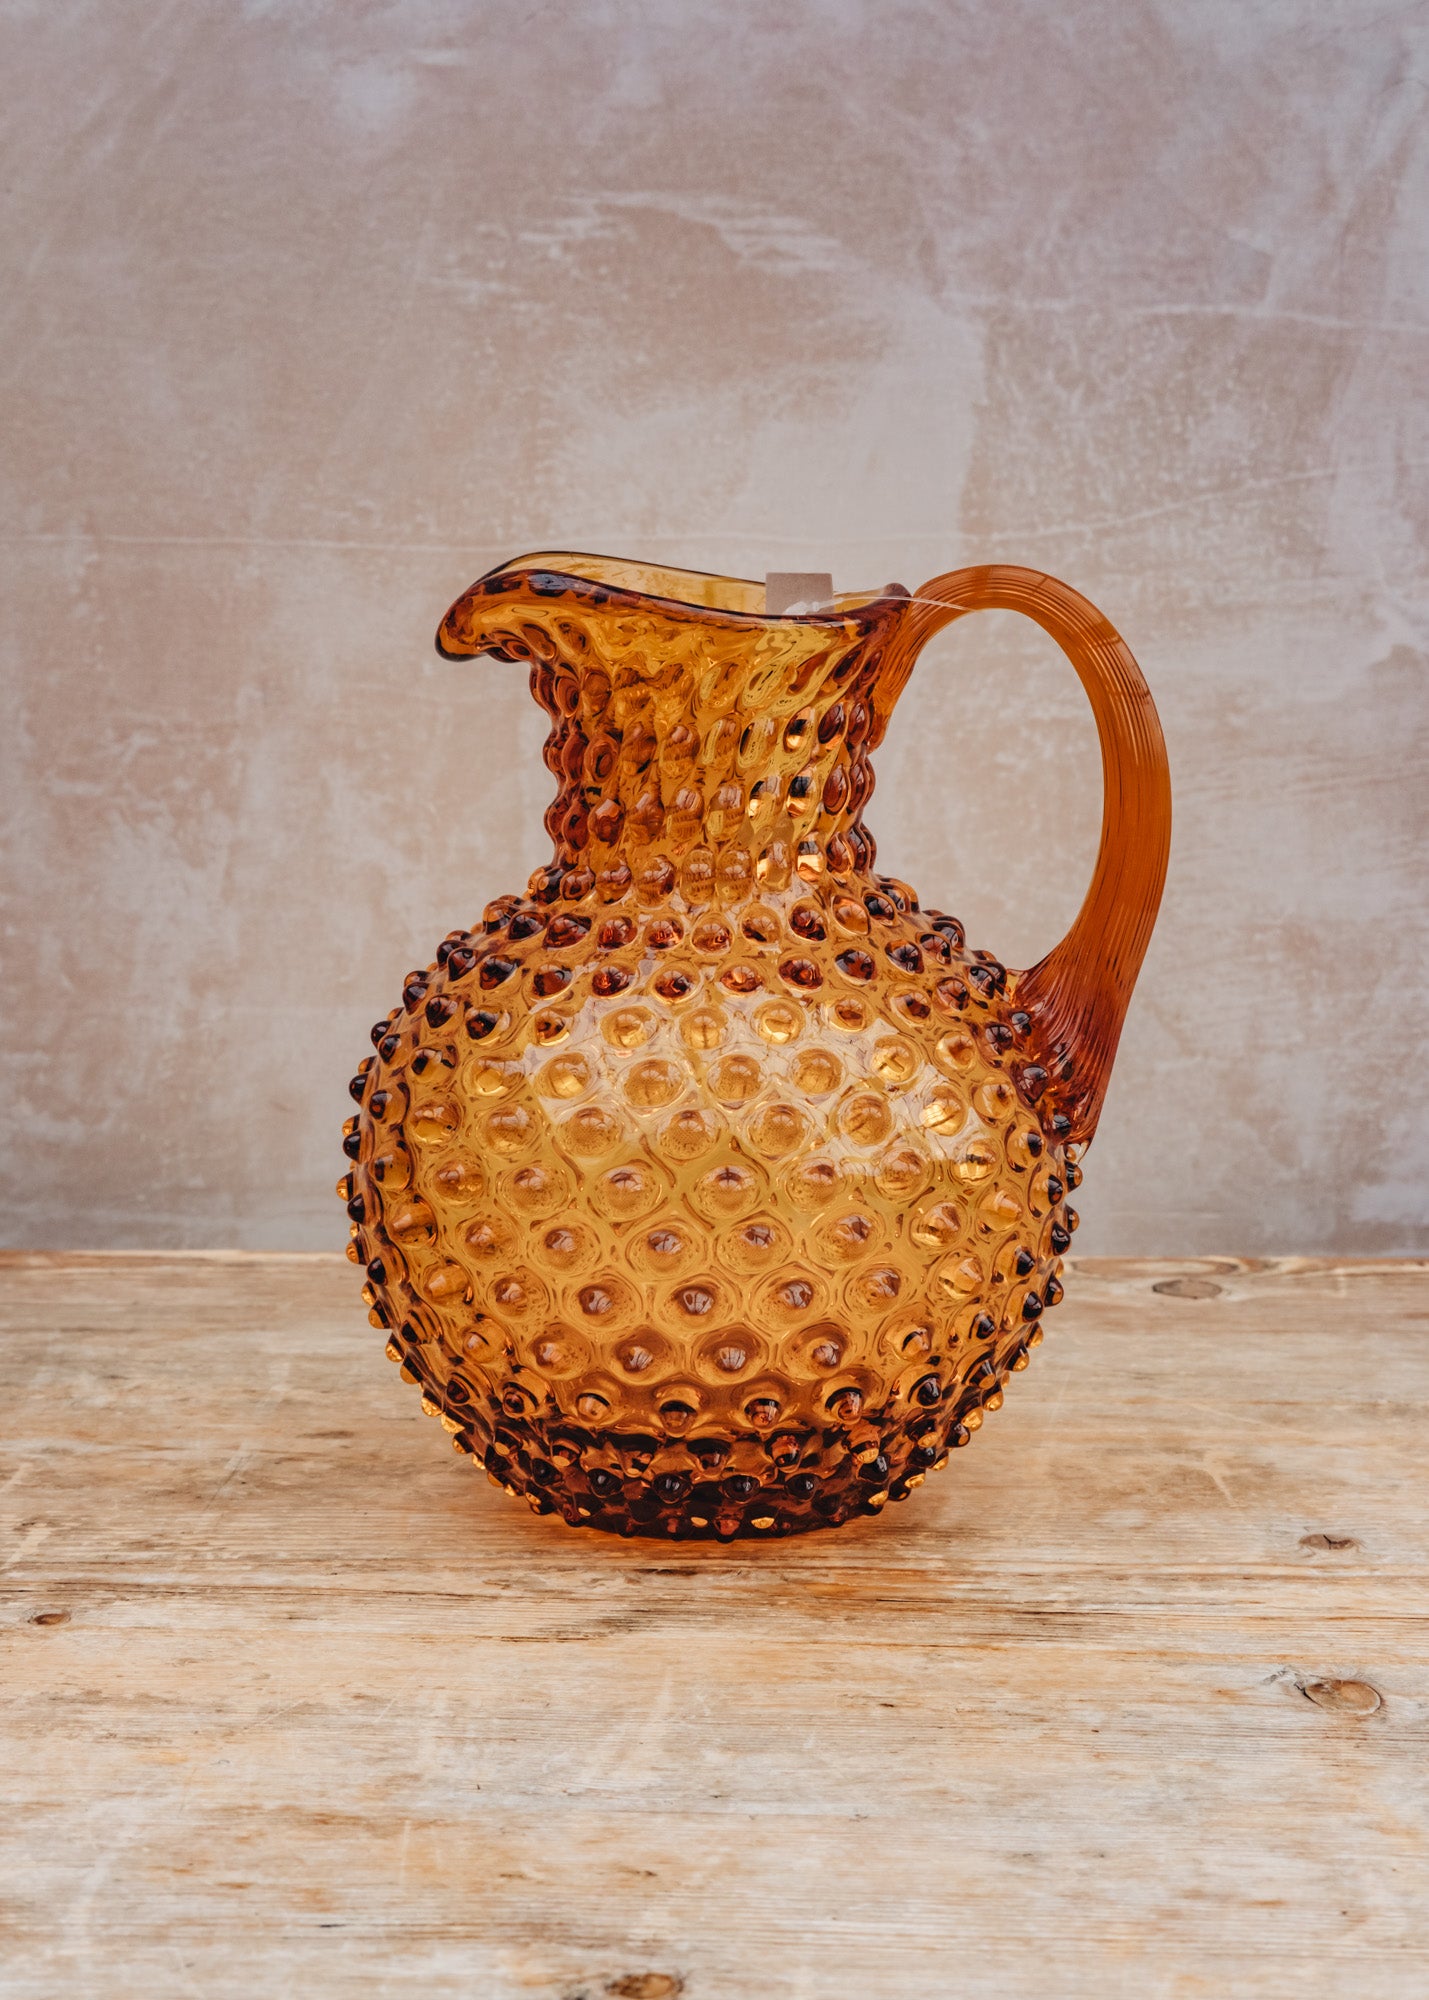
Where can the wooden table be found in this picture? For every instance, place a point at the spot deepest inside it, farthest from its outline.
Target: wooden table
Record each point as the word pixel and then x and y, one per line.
pixel 1132 1699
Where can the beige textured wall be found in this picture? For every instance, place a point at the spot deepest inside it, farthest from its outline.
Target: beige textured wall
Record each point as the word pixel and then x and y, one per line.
pixel 314 311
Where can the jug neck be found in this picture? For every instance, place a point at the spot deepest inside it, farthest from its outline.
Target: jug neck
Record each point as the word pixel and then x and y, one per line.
pixel 652 784
pixel 716 749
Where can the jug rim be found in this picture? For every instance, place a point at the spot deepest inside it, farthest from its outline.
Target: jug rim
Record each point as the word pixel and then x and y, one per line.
pixel 666 587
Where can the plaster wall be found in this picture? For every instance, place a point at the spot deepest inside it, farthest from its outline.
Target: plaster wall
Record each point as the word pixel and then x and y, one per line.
pixel 314 311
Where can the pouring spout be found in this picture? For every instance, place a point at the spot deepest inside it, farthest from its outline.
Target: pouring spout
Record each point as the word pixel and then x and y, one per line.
pixel 485 608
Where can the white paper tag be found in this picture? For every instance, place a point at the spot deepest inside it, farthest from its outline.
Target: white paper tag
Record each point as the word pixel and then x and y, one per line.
pixel 789 591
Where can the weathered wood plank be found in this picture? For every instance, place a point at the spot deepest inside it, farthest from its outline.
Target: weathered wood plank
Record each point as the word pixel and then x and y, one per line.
pixel 293 1702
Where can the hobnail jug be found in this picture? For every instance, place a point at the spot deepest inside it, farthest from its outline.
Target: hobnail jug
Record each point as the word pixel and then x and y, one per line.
pixel 712 1186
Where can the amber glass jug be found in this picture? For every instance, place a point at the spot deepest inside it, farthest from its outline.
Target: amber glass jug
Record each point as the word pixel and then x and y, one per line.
pixel 712 1185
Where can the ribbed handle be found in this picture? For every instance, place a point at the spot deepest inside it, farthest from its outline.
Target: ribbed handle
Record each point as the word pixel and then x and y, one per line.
pixel 1078 994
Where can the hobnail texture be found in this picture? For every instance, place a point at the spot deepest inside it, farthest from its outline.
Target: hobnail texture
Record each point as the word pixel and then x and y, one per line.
pixel 712 1187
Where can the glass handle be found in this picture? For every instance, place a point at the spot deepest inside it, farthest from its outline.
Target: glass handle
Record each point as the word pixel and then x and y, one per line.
pixel 1078 994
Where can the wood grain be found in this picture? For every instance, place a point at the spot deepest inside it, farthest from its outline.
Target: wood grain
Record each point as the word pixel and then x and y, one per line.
pixel 1133 1699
